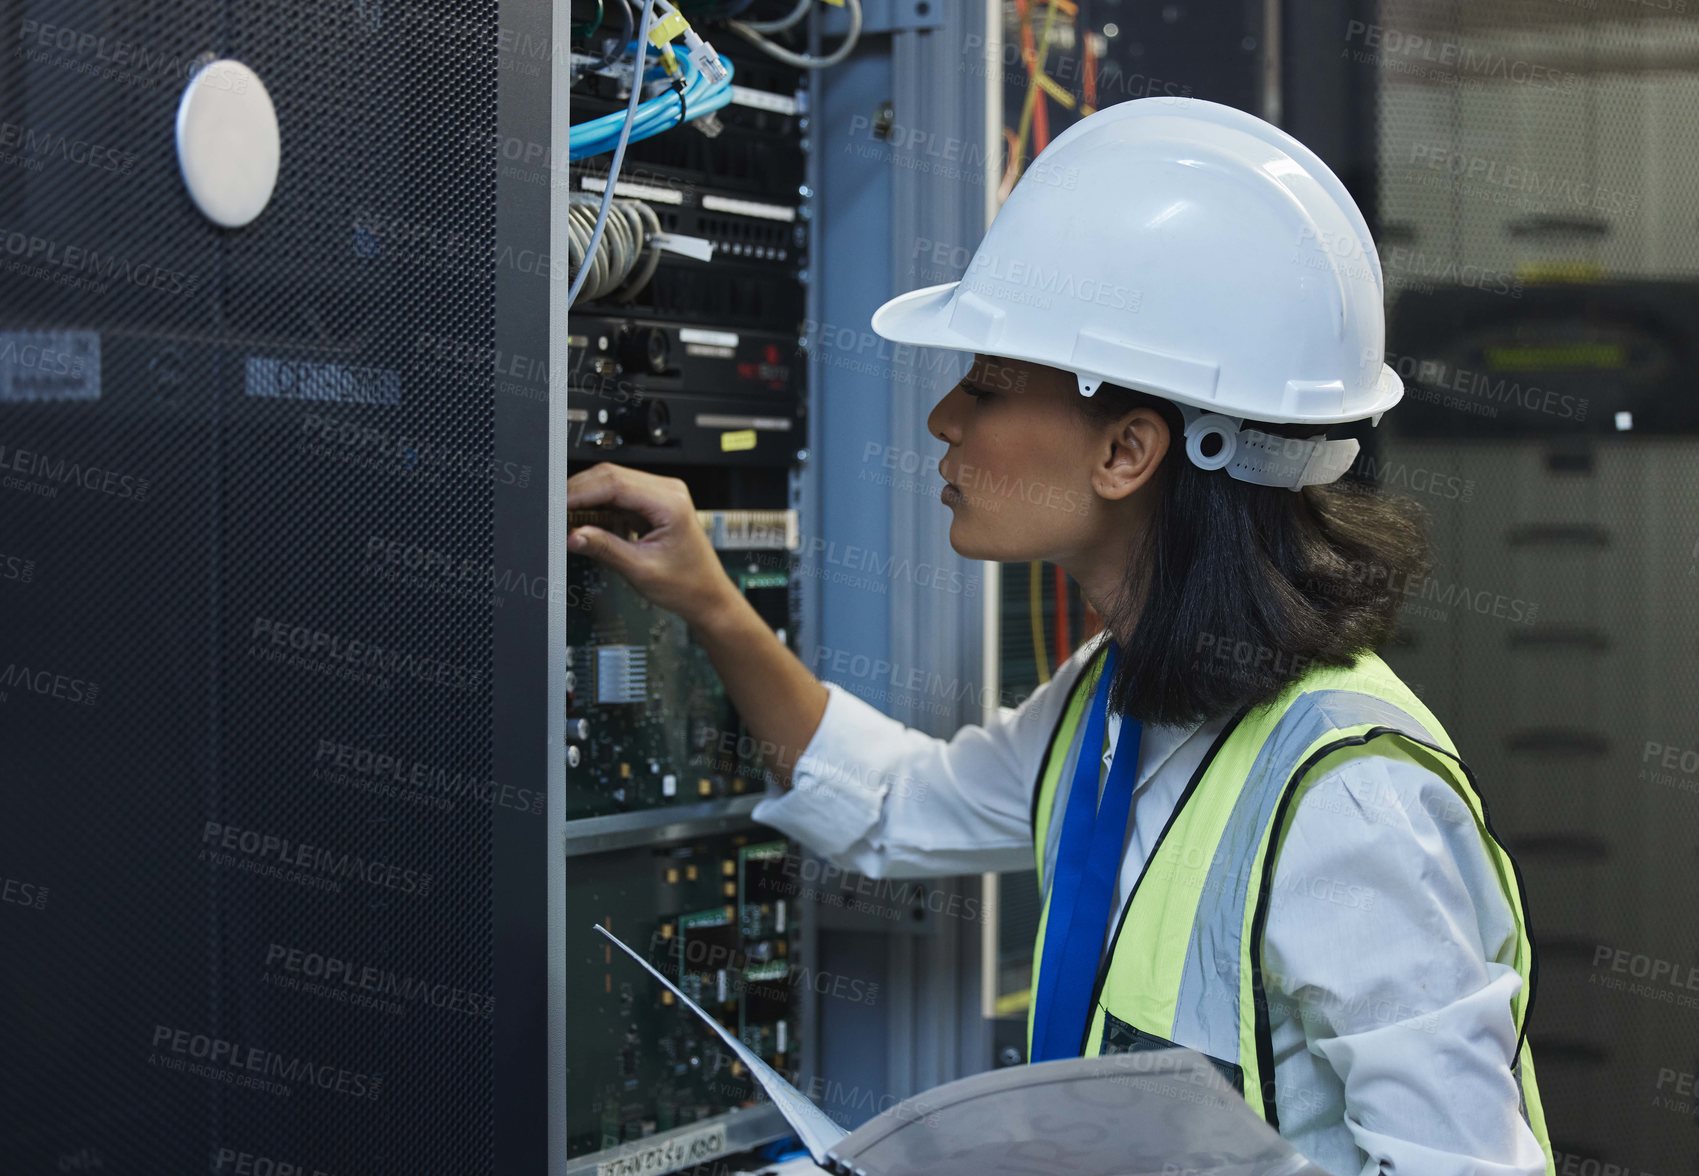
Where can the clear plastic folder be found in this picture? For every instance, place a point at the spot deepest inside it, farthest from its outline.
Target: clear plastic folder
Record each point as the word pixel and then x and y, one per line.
pixel 1147 1113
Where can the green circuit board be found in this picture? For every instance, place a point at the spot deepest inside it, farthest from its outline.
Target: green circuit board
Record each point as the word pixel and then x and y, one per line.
pixel 713 913
pixel 648 721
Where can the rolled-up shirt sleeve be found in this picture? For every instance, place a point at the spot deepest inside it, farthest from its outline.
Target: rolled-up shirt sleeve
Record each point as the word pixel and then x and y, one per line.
pixel 1391 936
pixel 889 801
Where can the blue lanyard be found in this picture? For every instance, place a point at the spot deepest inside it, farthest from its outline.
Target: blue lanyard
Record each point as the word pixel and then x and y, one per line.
pixel 1088 862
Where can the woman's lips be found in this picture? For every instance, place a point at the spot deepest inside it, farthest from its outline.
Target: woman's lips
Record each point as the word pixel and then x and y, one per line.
pixel 951 493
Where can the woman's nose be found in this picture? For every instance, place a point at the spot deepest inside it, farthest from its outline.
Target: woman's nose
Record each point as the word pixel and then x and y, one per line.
pixel 941 421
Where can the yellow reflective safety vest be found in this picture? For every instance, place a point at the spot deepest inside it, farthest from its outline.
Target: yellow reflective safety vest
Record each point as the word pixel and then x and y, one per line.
pixel 1185 963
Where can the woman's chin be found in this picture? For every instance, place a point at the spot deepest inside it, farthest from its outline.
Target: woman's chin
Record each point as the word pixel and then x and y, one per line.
pixel 960 544
pixel 969 546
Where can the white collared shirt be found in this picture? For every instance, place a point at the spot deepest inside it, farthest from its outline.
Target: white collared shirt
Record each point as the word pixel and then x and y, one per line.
pixel 1389 945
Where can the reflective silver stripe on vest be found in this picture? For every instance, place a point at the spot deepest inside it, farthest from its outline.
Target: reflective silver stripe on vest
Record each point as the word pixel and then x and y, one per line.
pixel 1521 1094
pixel 1059 807
pixel 1206 1016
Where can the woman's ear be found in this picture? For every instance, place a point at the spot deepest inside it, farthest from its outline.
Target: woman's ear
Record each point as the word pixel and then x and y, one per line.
pixel 1130 452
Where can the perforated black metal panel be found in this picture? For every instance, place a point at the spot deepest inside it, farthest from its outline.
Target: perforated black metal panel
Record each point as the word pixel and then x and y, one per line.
pixel 246 560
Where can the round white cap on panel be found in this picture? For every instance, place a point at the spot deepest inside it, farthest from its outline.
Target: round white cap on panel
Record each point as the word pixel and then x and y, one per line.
pixel 228 144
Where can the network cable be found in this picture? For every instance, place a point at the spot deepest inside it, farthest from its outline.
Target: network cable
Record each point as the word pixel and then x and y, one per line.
pixel 691 97
pixel 627 254
pixel 616 45
pixel 754 35
pixel 595 240
pixel 793 17
pixel 702 86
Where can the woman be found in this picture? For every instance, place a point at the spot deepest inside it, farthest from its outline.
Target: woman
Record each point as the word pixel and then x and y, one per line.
pixel 1270 853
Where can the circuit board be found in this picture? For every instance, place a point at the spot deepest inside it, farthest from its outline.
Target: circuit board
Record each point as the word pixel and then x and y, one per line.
pixel 648 721
pixel 712 913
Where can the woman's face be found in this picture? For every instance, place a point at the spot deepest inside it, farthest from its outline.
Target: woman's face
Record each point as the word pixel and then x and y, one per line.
pixel 1028 477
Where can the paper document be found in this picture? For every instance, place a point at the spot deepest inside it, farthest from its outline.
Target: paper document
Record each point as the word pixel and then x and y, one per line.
pixel 1151 1112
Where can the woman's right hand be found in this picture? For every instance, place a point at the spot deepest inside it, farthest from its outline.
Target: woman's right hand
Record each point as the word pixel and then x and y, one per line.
pixel 673 564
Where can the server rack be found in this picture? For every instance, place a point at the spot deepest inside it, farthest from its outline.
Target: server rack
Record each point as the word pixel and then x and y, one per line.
pixel 695 371
pixel 289 838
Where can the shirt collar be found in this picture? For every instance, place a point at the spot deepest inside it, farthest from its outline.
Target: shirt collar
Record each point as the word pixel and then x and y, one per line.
pixel 1157 745
pixel 1159 742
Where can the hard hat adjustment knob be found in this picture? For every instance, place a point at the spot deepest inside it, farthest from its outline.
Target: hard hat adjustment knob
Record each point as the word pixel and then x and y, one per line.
pixel 1211 439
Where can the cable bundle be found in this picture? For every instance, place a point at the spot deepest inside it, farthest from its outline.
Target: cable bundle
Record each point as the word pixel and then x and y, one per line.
pixel 699 96
pixel 626 256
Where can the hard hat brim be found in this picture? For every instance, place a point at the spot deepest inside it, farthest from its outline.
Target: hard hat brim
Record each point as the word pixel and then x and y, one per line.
pixel 1389 390
pixel 921 318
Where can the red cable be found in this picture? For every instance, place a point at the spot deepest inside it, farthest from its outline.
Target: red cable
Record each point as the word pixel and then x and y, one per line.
pixel 1040 122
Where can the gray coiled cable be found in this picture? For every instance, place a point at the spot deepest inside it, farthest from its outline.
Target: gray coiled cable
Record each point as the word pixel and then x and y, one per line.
pixel 794 16
pixel 627 256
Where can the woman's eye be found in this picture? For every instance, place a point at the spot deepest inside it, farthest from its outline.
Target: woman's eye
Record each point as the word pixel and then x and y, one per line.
pixel 975 391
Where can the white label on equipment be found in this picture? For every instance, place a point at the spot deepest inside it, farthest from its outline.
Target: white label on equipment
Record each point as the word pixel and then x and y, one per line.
pixel 49 365
pixel 299 379
pixel 683 1151
pixel 763 100
pixel 712 338
pixel 635 191
pixel 699 248
pixel 778 212
pixel 717 420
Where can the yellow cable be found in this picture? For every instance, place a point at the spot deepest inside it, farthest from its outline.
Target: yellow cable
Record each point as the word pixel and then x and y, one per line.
pixel 1033 85
pixel 1052 88
pixel 1035 606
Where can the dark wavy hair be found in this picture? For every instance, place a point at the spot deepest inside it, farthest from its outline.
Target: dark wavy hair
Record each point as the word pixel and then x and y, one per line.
pixel 1237 590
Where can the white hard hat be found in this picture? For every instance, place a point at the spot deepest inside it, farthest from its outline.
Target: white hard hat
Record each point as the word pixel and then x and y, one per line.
pixel 1191 251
